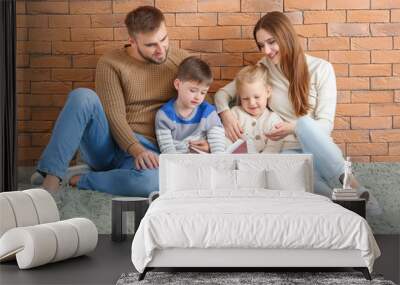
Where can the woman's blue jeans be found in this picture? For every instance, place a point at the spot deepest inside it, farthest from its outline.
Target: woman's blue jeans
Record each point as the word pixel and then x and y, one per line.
pixel 327 156
pixel 82 125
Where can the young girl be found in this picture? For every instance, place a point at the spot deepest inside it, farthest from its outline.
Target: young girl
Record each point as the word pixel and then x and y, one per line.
pixel 254 117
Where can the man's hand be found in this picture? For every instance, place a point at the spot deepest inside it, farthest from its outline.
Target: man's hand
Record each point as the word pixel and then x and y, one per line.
pixel 280 131
pixel 233 131
pixel 146 160
pixel 200 145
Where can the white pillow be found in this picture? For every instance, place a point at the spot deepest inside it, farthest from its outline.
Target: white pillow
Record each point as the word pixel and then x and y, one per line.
pixel 182 177
pixel 251 178
pixel 223 179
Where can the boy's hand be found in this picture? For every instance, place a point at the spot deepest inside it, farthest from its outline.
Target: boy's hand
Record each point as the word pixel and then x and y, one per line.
pixel 233 131
pixel 280 131
pixel 200 145
pixel 146 160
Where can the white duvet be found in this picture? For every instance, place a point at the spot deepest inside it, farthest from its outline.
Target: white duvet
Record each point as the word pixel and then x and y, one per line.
pixel 252 218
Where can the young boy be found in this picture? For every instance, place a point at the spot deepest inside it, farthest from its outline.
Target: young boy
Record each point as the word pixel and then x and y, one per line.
pixel 184 121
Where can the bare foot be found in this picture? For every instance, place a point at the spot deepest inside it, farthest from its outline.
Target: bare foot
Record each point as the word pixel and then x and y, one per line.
pixel 51 183
pixel 74 180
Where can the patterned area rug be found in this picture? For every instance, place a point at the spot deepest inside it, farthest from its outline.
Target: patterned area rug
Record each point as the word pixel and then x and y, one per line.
pixel 243 278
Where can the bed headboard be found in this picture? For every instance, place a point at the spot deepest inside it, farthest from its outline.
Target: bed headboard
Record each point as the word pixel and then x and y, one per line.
pixel 283 171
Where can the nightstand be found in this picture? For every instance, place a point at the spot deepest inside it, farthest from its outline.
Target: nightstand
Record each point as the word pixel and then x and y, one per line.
pixel 355 205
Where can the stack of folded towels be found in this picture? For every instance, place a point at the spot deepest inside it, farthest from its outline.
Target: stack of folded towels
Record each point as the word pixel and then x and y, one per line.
pixel 344 194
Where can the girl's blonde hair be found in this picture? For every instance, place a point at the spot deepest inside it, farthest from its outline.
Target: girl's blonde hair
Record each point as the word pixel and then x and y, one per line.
pixel 251 74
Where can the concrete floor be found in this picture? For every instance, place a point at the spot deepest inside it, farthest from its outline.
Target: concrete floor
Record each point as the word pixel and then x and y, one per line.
pixel 110 260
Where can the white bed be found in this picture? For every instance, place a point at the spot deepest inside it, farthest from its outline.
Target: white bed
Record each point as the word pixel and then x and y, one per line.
pixel 247 211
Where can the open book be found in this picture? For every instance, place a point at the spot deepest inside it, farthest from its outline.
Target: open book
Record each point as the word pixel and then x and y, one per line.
pixel 239 146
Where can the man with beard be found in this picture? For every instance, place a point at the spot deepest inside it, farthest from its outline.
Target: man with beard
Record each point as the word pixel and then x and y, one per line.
pixel 114 129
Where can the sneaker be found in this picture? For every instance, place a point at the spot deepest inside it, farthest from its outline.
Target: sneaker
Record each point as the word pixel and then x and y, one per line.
pixel 152 196
pixel 37 178
pixel 373 208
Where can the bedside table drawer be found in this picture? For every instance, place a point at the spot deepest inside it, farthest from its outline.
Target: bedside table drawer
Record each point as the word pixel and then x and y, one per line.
pixel 357 206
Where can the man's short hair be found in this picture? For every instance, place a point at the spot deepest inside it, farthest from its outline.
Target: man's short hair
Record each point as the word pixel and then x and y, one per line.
pixel 143 19
pixel 194 69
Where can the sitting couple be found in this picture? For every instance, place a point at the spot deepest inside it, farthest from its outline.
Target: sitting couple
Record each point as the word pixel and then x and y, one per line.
pixel 114 129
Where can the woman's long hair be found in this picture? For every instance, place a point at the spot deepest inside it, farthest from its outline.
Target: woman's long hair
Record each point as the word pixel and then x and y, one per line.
pixel 292 58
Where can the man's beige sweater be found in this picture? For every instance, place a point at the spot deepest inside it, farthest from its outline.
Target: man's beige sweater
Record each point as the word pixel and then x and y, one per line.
pixel 131 92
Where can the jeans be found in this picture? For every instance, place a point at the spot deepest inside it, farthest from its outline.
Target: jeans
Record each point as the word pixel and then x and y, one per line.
pixel 82 124
pixel 327 156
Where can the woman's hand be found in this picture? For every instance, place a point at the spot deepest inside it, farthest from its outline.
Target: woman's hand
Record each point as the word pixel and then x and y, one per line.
pixel 200 145
pixel 146 160
pixel 280 131
pixel 233 131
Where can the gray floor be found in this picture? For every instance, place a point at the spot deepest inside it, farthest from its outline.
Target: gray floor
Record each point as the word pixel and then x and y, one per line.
pixel 110 260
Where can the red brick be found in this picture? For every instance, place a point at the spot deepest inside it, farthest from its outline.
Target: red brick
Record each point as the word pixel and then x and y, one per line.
pixel 370 70
pixel 360 158
pixel 385 135
pixel 313 30
pixel 68 21
pixel 24 114
pixel 49 34
pixel 368 16
pixel 385 29
pixel 385 4
pixel 291 5
pixel 216 72
pixel 202 45
pixel 239 46
pixel 28 21
pixel 90 85
pixel 395 15
pixel 22 60
pixel 396 69
pixel 371 123
pixel 44 114
pixel 24 140
pixel 252 58
pixel 344 29
pixel 22 34
pixel 247 32
pixel 396 42
pixel 349 56
pixel 73 74
pixel 229 72
pixel 40 139
pixel 39 100
pixel 236 19
pixel 352 109
pixel 121 34
pixel 337 43
pixel 394 148
pixel 20 7
pixel 385 83
pixel 371 43
pixel 396 122
pixel 38 47
pixel 295 17
pixel 73 48
pixel 222 32
pixel 177 5
pixel 261 5
pixel 367 149
pixel 345 4
pixel 319 53
pixel 196 19
pixel 125 6
pixel 107 21
pixel 27 153
pixel 23 87
pixel 342 123
pixel 101 47
pixel 352 83
pixel 223 59
pixel 51 87
pixel 219 6
pixel 90 7
pixel 315 17
pixel 371 96
pixel 96 34
pixel 89 61
pixel 343 96
pixel 341 69
pixel 47 7
pixel 218 84
pixel 385 158
pixel 169 19
pixel 385 56
pixel 31 74
pixel 350 136
pixel 385 109
pixel 183 33
pixel 50 61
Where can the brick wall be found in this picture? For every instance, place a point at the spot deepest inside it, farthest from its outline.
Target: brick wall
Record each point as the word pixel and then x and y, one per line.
pixel 59 43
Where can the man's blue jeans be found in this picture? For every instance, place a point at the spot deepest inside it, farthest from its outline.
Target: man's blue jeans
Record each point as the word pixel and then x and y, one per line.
pixel 82 125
